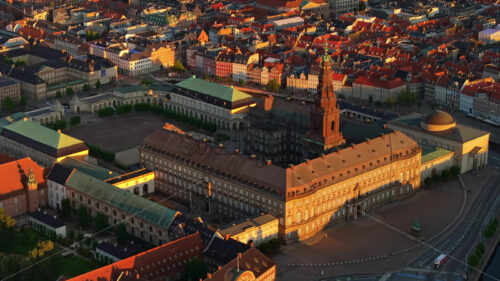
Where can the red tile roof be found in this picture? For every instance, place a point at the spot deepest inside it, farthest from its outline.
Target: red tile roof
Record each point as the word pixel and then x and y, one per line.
pixel 15 172
pixel 152 264
pixel 379 83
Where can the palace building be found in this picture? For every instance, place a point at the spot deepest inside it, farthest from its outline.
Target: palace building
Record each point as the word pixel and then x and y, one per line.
pixel 340 183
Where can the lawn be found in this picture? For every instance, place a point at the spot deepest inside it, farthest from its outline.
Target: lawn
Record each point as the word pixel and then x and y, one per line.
pixel 72 266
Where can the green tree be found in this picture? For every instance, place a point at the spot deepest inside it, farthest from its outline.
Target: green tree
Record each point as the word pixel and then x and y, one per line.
pixel 20 63
pixel 71 234
pixel 58 94
pixel 74 120
pixel 121 233
pixel 98 84
pixel 428 181
pixel 105 112
pixel 146 82
pixel 455 170
pixel 100 221
pixel 69 91
pixel 178 67
pixel 65 208
pixel 8 104
pixel 242 82
pixel 473 260
pixel 23 101
pixel 196 269
pixel 390 101
pixel 6 220
pixel 273 85
pixel 83 216
pixel 86 87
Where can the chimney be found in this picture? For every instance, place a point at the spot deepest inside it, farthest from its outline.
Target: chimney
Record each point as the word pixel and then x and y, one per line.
pixel 268 103
pixel 209 275
pixel 221 145
pixel 59 131
pixel 190 136
pixel 251 244
pixel 219 267
pixel 227 236
pixel 268 162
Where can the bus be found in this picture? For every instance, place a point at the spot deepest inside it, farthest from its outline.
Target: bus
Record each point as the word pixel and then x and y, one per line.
pixel 439 261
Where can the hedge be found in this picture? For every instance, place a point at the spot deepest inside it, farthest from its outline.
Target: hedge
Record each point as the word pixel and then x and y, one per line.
pixel 123 109
pixel 74 120
pixel 58 125
pixel 97 152
pixel 105 112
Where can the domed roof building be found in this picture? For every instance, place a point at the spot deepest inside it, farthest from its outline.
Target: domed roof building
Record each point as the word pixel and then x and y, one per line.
pixel 438 121
pixel 444 142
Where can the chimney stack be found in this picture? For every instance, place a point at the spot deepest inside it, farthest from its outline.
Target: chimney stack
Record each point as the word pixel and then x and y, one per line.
pixel 268 162
pixel 227 236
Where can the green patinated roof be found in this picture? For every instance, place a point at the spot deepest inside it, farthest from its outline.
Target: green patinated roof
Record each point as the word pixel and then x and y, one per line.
pixel 11 118
pixel 122 199
pixel 429 154
pixel 42 134
pixel 131 89
pixel 213 89
pixel 89 169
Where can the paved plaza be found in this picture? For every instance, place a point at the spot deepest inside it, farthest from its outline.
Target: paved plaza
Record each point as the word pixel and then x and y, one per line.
pixel 118 132
pixel 378 233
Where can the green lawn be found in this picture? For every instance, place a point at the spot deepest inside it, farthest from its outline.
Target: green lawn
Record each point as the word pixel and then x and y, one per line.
pixel 72 266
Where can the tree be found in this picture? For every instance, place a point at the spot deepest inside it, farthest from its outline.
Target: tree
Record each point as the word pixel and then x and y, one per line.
pixel 146 82
pixel 23 101
pixel 74 120
pixel 20 63
pixel 58 94
pixel 86 87
pixel 83 216
pixel 6 220
pixel 8 104
pixel 428 181
pixel 65 208
pixel 178 67
pixel 69 91
pixel 121 233
pixel 242 82
pixel 105 112
pixel 273 85
pixel 455 170
pixel 407 97
pixel 196 269
pixel 71 234
pixel 98 84
pixel 100 221
pixel 390 101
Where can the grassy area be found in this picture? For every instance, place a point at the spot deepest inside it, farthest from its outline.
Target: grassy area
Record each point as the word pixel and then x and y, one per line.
pixel 74 265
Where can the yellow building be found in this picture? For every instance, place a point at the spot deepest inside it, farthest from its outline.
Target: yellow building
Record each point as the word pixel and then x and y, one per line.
pixel 439 129
pixel 257 230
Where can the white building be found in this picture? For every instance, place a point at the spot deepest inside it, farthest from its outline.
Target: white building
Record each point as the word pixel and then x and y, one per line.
pixel 490 35
pixel 240 65
pixel 339 7
pixel 47 224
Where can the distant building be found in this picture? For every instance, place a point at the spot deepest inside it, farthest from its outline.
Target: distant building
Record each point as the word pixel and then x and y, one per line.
pixel 339 7
pixel 10 89
pixel 439 129
pixel 255 230
pixel 490 35
pixel 23 188
pixel 26 138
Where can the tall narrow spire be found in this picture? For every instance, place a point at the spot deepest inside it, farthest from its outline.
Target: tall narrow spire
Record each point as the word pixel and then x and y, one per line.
pixel 325 116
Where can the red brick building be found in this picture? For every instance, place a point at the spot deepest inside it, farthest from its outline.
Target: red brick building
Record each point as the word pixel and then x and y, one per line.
pixel 22 187
pixel 166 262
